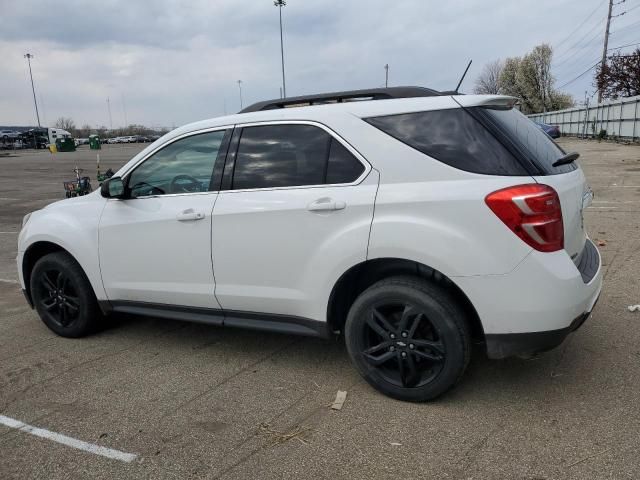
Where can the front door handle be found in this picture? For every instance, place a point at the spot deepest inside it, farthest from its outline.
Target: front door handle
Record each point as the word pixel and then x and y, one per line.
pixel 326 204
pixel 189 215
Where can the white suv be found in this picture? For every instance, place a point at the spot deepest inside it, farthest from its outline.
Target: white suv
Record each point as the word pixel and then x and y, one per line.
pixel 414 222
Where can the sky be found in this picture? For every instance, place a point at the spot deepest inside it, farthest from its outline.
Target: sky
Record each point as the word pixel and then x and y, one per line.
pixel 164 63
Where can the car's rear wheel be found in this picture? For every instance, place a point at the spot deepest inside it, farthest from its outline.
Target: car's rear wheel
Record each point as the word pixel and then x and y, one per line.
pixel 63 297
pixel 408 338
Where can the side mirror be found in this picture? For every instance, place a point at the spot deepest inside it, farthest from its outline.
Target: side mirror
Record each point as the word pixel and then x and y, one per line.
pixel 112 188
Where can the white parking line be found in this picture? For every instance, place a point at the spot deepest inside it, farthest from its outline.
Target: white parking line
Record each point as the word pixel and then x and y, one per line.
pixel 6 280
pixel 70 442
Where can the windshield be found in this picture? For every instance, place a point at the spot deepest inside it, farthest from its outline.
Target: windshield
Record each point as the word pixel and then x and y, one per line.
pixel 530 138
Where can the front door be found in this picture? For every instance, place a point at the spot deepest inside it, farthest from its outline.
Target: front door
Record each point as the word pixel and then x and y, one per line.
pixel 155 245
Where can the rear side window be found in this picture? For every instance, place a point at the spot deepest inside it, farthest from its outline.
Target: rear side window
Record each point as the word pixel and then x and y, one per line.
pixel 528 137
pixel 273 156
pixel 453 137
pixel 342 167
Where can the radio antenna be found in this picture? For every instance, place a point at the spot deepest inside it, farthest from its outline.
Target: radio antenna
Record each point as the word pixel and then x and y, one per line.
pixel 463 75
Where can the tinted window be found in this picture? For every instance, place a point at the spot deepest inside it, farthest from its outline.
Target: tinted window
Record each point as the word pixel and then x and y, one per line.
pixel 343 167
pixel 281 156
pixel 529 137
pixel 184 166
pixel 453 137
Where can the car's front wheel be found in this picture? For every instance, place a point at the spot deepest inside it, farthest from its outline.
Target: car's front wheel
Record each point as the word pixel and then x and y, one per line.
pixel 408 338
pixel 63 297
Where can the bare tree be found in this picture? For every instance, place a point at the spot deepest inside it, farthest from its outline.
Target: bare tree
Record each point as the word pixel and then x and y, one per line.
pixel 488 82
pixel 65 123
pixel 620 76
pixel 84 131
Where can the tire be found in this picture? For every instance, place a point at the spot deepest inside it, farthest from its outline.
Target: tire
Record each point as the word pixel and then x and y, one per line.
pixel 63 296
pixel 408 338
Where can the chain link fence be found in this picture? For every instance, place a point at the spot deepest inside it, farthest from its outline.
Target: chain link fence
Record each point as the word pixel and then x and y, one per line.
pixel 614 119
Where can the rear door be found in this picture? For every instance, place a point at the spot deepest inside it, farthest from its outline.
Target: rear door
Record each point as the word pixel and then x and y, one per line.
pixel 296 202
pixel 568 180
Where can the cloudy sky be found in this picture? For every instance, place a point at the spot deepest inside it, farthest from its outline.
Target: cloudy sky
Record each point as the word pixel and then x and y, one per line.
pixel 169 62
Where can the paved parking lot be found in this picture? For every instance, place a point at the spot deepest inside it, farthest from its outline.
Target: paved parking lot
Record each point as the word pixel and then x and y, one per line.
pixel 195 401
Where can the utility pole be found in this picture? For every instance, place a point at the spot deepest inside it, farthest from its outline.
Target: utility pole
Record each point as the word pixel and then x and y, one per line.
pixel 606 38
pixel 606 45
pixel 386 75
pixel 586 115
pixel 28 56
pixel 240 88
pixel 280 4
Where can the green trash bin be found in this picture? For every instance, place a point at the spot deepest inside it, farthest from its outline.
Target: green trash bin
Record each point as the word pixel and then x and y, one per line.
pixel 65 145
pixel 94 142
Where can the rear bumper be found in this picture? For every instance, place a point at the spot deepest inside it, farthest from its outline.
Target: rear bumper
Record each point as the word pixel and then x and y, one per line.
pixel 534 307
pixel 527 344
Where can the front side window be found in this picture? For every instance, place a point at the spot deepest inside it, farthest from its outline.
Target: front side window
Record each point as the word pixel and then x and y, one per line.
pixel 273 156
pixel 184 166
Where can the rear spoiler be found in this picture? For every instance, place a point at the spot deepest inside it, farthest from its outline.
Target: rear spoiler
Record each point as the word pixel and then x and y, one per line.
pixel 502 102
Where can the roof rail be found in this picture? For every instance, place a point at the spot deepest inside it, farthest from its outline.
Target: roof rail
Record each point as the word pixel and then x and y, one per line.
pixel 339 97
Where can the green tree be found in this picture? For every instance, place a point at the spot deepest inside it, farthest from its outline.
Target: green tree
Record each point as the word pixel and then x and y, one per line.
pixel 529 78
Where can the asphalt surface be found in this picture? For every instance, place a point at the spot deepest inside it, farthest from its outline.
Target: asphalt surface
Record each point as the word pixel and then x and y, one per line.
pixel 195 401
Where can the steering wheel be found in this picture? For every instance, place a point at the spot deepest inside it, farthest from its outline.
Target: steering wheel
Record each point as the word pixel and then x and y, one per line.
pixel 151 190
pixel 194 184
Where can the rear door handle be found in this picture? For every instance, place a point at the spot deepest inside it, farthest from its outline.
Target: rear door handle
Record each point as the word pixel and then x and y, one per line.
pixel 189 215
pixel 326 204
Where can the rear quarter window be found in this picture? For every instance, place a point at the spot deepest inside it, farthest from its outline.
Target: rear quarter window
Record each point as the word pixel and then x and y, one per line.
pixel 453 137
pixel 529 138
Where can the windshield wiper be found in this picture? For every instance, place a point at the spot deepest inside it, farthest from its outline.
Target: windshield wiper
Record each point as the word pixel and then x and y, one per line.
pixel 568 158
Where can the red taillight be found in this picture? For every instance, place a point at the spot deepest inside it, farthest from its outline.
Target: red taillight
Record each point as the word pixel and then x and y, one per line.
pixel 532 212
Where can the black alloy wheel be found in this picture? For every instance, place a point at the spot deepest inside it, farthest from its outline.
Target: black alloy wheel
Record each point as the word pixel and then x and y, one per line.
pixel 408 338
pixel 402 344
pixel 58 297
pixel 63 296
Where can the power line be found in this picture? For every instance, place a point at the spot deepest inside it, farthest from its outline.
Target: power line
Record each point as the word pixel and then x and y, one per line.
pixel 631 9
pixel 626 27
pixel 623 46
pixel 576 55
pixel 583 22
pixel 581 75
pixel 563 54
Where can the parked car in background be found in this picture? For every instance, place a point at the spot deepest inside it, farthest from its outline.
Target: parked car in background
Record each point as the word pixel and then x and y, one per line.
pixel 415 225
pixel 113 140
pixel 8 135
pixel 552 130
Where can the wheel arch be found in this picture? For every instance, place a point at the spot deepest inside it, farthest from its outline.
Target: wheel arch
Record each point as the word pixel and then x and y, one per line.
pixel 35 252
pixel 361 276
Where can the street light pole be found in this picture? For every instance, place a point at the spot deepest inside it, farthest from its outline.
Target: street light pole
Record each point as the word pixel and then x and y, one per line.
pixel 28 56
pixel 386 75
pixel 110 119
pixel 280 4
pixel 240 88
